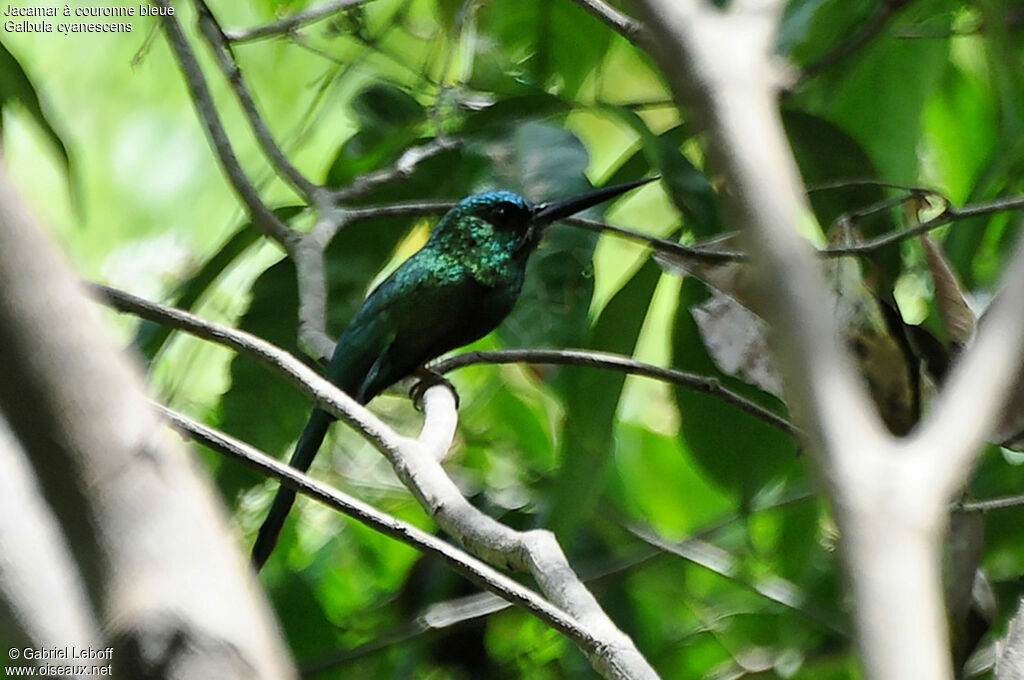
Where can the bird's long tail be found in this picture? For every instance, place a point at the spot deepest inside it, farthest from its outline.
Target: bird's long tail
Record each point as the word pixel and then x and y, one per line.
pixel 309 443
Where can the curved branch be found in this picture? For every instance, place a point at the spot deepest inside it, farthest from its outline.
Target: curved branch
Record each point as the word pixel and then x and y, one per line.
pixel 616 362
pixel 124 493
pixel 417 464
pixel 472 568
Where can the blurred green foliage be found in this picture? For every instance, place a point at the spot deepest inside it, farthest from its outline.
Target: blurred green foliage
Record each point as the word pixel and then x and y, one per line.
pixel 545 100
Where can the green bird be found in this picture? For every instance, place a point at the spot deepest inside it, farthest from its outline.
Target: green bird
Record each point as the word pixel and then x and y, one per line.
pixel 454 290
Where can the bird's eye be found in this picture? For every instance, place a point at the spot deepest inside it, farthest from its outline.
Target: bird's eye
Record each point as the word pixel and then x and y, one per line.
pixel 501 215
pixel 505 215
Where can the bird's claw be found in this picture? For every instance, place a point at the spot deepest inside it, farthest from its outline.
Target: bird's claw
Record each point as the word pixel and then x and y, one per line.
pixel 425 379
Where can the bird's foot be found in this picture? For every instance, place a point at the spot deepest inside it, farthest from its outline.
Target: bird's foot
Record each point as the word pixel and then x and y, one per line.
pixel 425 379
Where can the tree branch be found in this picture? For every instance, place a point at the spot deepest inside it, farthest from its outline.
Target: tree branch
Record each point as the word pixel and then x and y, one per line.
pixel 264 218
pixel 417 464
pixel 706 253
pixel 616 362
pixel 722 63
pixel 948 215
pixel 299 374
pixel 36 567
pixel 867 31
pixel 890 501
pixel 990 504
pixel 218 43
pixel 472 568
pixel 123 491
pixel 402 168
pixel 410 209
pixel 292 21
pixel 629 28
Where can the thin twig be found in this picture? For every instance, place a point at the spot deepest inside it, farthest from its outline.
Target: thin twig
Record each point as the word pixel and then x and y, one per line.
pixel 871 27
pixel 264 219
pixel 628 27
pixel 988 504
pixel 949 214
pixel 726 565
pixel 410 209
pixel 402 168
pixel 215 37
pixel 298 373
pixel 472 568
pixel 617 362
pixel 292 21
pixel 660 244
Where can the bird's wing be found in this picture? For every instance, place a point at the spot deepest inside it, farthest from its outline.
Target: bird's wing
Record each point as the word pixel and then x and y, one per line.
pixel 413 316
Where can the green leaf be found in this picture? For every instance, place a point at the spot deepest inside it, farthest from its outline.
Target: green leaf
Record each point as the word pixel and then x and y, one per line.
pixel 531 43
pixel 878 94
pixel 15 86
pixel 740 452
pixel 150 337
pixel 812 28
pixel 689 189
pixel 544 161
pixel 592 398
pixel 962 124
pixel 657 482
pixel 826 154
pixel 515 109
pixel 636 163
pixel 383 107
pixel 389 119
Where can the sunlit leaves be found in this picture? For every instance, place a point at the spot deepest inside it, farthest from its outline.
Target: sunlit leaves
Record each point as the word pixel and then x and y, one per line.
pixel 540 446
pixel 17 89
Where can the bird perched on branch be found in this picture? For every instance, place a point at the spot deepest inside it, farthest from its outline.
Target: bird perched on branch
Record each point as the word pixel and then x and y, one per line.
pixel 456 289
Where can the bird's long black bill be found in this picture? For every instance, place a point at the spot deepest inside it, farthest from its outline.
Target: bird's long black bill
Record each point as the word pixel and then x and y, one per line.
pixel 546 213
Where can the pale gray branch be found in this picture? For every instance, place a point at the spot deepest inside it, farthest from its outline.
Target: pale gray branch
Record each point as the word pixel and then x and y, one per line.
pixel 417 464
pixel 149 538
pixel 890 497
pixel 479 573
pixel 969 406
pixel 36 568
